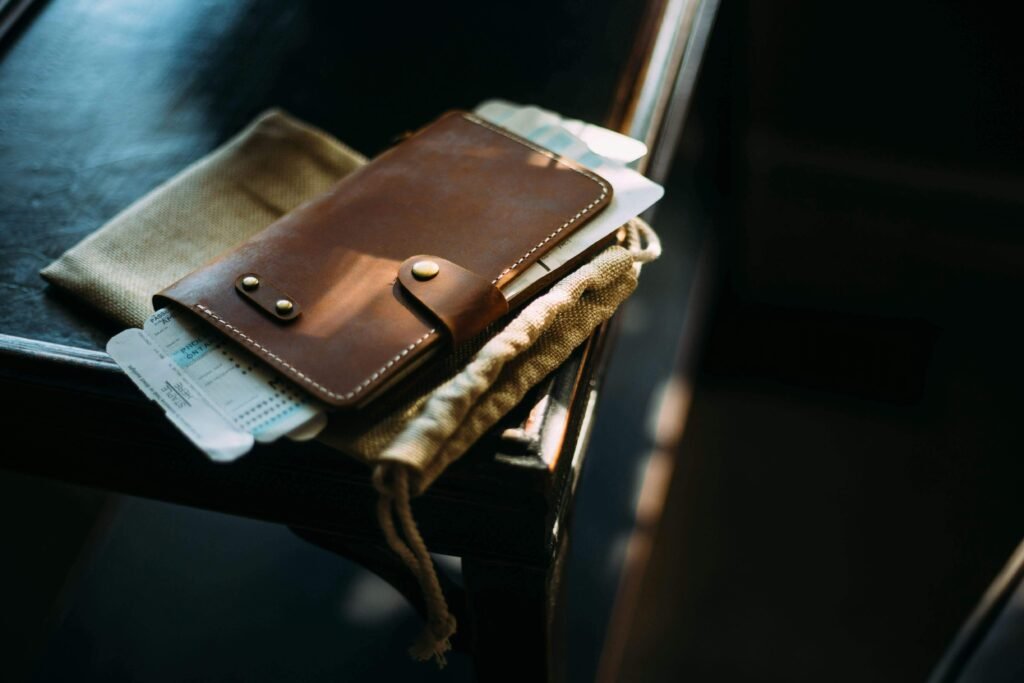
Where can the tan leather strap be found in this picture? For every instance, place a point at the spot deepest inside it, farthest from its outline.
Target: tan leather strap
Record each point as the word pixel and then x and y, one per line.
pixel 464 302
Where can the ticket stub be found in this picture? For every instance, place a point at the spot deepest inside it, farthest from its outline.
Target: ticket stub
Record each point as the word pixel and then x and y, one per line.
pixel 608 143
pixel 632 193
pixel 218 394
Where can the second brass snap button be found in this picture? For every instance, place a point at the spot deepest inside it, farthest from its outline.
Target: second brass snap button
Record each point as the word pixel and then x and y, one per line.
pixel 425 270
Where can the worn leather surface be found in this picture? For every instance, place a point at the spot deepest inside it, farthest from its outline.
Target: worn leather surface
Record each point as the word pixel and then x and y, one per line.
pixel 464 302
pixel 460 189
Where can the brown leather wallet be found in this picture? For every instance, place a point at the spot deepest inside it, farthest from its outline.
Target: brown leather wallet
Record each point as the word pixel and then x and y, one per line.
pixel 350 291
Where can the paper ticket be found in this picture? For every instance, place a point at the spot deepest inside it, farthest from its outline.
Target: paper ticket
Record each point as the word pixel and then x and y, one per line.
pixel 218 394
pixel 632 193
pixel 608 143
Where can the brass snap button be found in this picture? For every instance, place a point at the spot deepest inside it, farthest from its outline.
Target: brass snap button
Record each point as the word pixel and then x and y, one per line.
pixel 250 282
pixel 425 270
pixel 284 306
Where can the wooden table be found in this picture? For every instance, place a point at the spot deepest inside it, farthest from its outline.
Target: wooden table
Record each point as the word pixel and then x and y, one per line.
pixel 101 102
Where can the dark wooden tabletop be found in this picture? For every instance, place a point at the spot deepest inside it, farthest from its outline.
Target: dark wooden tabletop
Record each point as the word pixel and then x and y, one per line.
pixel 99 103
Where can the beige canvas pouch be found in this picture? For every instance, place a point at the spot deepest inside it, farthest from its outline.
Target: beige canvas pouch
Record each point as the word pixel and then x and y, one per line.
pixel 268 169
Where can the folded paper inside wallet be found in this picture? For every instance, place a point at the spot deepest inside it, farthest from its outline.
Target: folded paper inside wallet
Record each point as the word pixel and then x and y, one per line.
pixel 320 295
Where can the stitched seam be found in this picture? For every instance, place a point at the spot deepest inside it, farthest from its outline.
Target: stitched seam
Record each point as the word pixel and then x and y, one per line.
pixel 551 155
pixel 301 375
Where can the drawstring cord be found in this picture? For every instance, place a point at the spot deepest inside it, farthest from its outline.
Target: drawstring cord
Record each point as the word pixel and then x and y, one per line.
pixel 392 483
pixel 391 479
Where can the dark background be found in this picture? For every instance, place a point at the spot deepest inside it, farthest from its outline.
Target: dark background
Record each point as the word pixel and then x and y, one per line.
pixel 849 482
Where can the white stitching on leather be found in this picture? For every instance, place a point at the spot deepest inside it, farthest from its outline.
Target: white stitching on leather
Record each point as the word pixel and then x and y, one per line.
pixel 387 366
pixel 305 378
pixel 557 159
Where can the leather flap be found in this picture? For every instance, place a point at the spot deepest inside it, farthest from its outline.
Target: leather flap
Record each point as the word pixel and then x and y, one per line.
pixel 464 302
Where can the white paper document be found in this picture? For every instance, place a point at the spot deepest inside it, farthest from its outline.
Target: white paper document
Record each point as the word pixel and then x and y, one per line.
pixel 217 393
pixel 609 144
pixel 632 193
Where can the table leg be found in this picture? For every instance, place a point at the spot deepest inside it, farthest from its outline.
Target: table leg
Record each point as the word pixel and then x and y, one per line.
pixel 510 616
pixel 518 620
